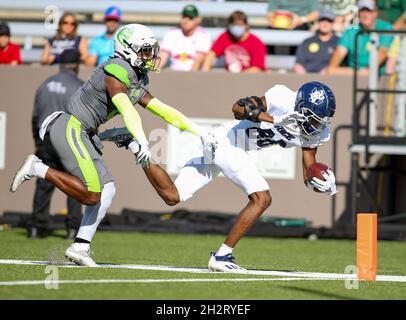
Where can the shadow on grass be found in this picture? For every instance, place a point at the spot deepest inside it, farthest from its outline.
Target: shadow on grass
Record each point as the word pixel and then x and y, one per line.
pixel 53 234
pixel 320 293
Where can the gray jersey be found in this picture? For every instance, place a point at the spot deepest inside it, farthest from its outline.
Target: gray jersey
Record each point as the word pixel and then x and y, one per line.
pixel 92 105
pixel 53 95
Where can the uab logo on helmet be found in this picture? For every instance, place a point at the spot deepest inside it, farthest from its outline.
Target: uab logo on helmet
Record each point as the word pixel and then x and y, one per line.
pixel 317 96
pixel 126 34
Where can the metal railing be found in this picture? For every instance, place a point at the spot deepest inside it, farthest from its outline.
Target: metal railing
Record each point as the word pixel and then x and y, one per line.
pixel 365 134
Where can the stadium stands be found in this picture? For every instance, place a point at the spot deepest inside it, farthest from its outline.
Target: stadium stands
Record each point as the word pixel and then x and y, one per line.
pixel 28 29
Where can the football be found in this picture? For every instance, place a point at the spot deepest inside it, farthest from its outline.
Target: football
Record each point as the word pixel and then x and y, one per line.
pixel 316 170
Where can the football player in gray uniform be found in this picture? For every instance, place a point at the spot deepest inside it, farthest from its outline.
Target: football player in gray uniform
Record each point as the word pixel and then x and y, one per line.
pixel 113 88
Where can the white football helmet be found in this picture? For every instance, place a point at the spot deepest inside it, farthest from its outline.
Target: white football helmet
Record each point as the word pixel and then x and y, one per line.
pixel 136 44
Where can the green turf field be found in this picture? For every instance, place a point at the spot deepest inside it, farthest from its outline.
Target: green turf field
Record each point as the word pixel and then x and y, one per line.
pixel 325 256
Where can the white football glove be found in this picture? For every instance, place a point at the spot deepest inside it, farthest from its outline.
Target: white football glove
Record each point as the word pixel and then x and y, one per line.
pixel 288 118
pixel 324 186
pixel 210 145
pixel 143 156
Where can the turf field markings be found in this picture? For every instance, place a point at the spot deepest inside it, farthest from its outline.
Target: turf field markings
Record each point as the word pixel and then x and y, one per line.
pixel 287 274
pixel 101 281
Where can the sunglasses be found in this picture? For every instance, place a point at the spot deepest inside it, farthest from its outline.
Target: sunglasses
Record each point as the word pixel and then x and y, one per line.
pixel 71 23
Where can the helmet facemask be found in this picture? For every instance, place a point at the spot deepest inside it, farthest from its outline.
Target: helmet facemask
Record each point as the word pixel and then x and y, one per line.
pixel 145 56
pixel 313 124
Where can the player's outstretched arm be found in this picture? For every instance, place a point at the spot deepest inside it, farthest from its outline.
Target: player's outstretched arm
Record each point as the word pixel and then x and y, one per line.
pixel 169 114
pixel 254 109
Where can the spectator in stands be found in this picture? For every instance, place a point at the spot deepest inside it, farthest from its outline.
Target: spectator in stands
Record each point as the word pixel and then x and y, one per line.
pixel 10 53
pixel 313 54
pixel 66 37
pixel 392 11
pixel 292 14
pixel 367 14
pixel 102 46
pixel 52 96
pixel 185 47
pixel 242 50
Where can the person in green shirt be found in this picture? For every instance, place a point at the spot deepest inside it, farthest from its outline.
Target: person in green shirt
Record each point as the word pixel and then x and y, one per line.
pixel 391 11
pixel 368 20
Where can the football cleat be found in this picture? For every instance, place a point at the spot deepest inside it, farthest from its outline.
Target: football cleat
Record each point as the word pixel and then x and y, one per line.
pixel 120 136
pixel 224 264
pixel 25 172
pixel 79 255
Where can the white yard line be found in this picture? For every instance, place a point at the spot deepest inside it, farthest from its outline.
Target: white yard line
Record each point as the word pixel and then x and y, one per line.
pixel 286 274
pixel 96 281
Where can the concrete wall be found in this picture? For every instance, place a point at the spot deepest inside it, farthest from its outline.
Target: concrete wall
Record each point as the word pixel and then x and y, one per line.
pixel 195 94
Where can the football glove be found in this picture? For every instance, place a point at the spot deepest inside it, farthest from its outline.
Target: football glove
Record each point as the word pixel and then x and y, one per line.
pixel 288 118
pixel 210 145
pixel 143 157
pixel 253 106
pixel 324 186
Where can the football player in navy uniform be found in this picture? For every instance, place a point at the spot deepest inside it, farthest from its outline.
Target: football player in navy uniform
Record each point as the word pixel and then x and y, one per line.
pixel 281 117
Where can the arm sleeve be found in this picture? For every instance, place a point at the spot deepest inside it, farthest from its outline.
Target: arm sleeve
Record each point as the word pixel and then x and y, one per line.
pixel 173 116
pixel 132 119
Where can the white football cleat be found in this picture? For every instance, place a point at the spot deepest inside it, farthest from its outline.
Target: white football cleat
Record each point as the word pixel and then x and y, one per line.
pixel 25 172
pixel 79 255
pixel 224 264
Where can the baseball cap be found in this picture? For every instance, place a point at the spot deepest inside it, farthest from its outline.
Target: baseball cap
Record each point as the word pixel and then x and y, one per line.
pixel 4 29
pixel 326 14
pixel 70 55
pixel 112 13
pixel 190 11
pixel 366 4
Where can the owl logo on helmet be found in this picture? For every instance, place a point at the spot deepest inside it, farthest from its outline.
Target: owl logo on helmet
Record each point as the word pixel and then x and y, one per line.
pixel 316 101
pixel 137 44
pixel 317 96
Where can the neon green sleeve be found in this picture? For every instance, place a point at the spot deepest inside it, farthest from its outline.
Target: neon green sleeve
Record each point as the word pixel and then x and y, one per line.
pixel 131 117
pixel 173 116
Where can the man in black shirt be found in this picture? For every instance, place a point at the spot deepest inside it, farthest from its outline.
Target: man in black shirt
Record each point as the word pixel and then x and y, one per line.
pixel 314 53
pixel 52 96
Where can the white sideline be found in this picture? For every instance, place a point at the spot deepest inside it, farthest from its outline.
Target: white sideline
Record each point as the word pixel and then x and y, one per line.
pixel 287 274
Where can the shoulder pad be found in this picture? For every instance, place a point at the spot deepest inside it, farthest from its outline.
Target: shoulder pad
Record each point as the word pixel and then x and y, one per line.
pixel 118 72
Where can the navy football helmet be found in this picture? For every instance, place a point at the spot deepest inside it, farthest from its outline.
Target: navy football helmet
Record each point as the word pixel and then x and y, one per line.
pixel 317 103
